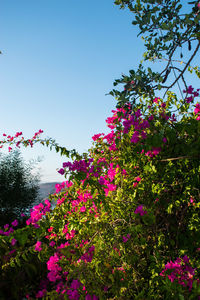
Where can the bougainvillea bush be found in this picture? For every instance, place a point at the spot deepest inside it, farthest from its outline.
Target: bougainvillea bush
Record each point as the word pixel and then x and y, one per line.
pixel 124 224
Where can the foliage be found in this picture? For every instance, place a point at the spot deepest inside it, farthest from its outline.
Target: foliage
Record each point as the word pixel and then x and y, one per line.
pixel 129 207
pixel 18 187
pixel 169 29
pixel 126 220
pixel 18 140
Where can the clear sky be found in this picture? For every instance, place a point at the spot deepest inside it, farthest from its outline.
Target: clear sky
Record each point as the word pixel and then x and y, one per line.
pixel 59 60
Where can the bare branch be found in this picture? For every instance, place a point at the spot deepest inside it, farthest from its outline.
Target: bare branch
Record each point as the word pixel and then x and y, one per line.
pixel 183 71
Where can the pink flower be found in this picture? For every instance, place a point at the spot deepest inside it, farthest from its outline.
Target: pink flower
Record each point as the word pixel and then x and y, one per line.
pixel 82 209
pixel 52 263
pixel 38 246
pixel 180 271
pixel 52 244
pixel 156 151
pixel 110 187
pixel 60 201
pixel 50 229
pixel 156 100
pixel 111 172
pixel 96 136
pixel 197 109
pixel 138 179
pixel 124 172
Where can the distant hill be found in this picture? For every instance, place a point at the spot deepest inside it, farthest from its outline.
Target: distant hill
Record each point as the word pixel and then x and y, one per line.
pixel 46 189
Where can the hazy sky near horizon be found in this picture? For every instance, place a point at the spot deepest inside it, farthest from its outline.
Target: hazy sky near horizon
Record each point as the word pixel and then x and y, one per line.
pixel 59 60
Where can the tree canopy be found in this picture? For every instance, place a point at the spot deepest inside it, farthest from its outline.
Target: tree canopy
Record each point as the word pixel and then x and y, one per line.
pixel 170 31
pixel 18 187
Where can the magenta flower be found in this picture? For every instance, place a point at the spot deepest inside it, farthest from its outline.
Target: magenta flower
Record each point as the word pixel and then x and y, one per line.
pixel 102 180
pixel 180 271
pixel 125 239
pixel 163 105
pixel 151 118
pixel 38 246
pixel 14 223
pixel 13 242
pixel 135 137
pixel 75 284
pixel 73 295
pixel 53 276
pixel 41 294
pixel 164 140
pixel 197 109
pixel 139 210
pixel 88 297
pixel 6 226
pixel 189 99
pixel 61 171
pixel 52 263
pixel 52 244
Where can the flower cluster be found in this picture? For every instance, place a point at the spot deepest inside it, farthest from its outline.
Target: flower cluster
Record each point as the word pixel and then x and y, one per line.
pixel 140 210
pixel 79 166
pixel 180 271
pixel 197 111
pixel 18 139
pixel 190 91
pixel 9 229
pixel 37 212
pixel 95 240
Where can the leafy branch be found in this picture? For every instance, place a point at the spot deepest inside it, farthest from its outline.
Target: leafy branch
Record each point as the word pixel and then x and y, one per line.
pixel 165 30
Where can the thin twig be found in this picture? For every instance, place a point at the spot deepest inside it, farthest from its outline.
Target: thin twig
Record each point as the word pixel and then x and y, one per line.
pixel 181 74
pixel 180 157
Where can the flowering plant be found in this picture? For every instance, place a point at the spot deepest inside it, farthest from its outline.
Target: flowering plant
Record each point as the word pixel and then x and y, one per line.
pixel 124 211
pixel 124 223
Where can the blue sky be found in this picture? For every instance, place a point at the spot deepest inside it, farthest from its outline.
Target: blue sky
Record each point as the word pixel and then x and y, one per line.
pixel 59 60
